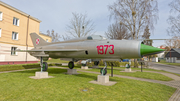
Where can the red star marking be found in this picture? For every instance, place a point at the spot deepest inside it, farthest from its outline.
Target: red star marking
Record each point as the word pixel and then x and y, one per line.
pixel 37 41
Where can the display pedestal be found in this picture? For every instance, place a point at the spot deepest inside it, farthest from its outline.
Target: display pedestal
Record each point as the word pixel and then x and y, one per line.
pixel 103 80
pixel 95 67
pixel 84 67
pixel 127 69
pixel 41 75
pixel 72 71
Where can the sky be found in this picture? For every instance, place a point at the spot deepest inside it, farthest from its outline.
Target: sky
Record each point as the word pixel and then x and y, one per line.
pixel 56 14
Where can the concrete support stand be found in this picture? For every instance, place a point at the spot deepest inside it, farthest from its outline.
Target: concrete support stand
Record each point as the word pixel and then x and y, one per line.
pixel 72 71
pixel 41 75
pixel 103 80
pixel 95 67
pixel 84 67
pixel 127 69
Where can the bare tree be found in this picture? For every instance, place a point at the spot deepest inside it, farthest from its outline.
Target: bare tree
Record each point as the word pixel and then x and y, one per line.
pixel 117 31
pixel 80 26
pixel 135 14
pixel 173 43
pixel 174 29
pixel 55 37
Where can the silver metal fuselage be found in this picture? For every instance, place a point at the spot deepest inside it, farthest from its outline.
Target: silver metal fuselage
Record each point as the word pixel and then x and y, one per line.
pixel 108 49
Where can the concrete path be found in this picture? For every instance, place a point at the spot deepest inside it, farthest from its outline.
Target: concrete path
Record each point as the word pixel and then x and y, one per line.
pixel 169 68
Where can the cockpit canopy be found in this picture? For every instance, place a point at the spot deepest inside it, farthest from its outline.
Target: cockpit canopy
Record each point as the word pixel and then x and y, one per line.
pixel 96 37
pixel 93 37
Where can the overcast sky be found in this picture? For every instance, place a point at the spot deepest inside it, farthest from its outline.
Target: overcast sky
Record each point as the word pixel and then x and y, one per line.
pixel 56 14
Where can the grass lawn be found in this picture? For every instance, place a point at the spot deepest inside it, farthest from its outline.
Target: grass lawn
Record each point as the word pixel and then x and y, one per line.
pixel 167 63
pixel 146 75
pixel 18 86
pixel 146 69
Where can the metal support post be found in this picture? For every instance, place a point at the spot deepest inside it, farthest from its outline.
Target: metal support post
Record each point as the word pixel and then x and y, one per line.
pixel 141 67
pixel 41 63
pixel 111 69
pixel 104 67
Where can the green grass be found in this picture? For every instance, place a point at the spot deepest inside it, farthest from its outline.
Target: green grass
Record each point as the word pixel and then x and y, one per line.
pixel 18 67
pixel 144 69
pixel 18 86
pixel 146 75
pixel 22 66
pixel 167 63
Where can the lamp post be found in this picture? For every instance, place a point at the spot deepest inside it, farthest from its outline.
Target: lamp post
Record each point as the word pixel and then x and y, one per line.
pixel 83 29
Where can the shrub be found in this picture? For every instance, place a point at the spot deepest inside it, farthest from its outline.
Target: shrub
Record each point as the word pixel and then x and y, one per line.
pixel 22 66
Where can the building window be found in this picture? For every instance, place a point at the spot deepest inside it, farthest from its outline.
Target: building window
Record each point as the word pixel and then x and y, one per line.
pixel 46 40
pixel 14 36
pixel 13 51
pixel 178 58
pixel 1 15
pixel 0 31
pixel 16 21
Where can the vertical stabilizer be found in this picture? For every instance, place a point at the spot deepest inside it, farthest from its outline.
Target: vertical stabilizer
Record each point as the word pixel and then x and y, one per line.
pixel 37 40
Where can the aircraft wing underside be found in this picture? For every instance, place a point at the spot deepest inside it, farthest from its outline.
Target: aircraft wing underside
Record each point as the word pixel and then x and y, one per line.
pixel 51 50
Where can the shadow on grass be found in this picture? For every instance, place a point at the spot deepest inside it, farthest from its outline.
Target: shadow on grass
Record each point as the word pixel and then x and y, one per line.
pixel 62 71
pixel 94 77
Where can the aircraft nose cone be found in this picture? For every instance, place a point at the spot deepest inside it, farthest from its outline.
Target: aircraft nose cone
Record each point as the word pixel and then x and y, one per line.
pixel 149 50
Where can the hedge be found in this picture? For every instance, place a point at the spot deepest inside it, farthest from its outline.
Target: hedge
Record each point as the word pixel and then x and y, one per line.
pixel 115 63
pixel 23 66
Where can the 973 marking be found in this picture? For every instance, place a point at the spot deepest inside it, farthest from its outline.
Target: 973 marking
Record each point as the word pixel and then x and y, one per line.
pixel 101 50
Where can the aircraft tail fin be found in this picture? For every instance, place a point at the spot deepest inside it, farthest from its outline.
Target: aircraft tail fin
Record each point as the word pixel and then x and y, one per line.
pixel 37 40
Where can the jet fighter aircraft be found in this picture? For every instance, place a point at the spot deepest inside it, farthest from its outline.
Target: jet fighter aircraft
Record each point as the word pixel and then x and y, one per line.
pixel 93 47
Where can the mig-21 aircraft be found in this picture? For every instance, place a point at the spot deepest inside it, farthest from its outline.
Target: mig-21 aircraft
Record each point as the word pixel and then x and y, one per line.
pixel 93 47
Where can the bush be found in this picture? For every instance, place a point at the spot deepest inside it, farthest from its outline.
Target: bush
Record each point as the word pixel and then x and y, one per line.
pixel 22 66
pixel 116 63
pixel 55 64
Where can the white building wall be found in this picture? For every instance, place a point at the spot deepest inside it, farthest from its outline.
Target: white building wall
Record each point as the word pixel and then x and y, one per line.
pixel 172 60
pixel 155 59
pixel 160 55
pixel 5 53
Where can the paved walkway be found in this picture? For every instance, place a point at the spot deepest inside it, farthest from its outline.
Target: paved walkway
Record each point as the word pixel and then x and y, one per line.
pixel 167 65
pixel 174 83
